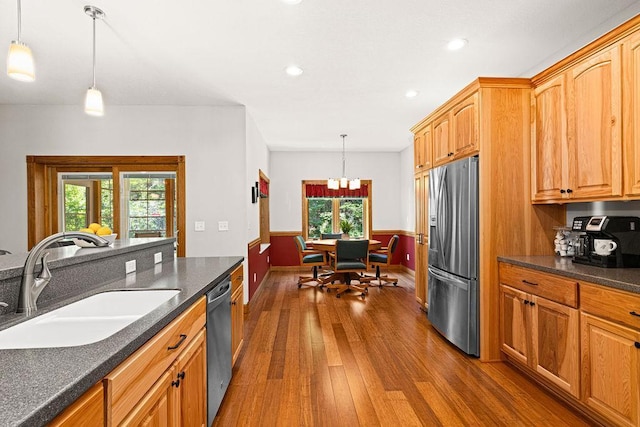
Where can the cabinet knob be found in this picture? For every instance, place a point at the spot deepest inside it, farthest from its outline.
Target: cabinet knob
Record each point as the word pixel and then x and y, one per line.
pixel 526 301
pixel 532 303
pixel 569 191
pixel 637 344
pixel 175 384
pixel 562 191
pixel 180 375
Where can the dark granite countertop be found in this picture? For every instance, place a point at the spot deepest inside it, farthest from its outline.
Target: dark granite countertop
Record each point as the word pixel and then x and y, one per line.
pixel 627 279
pixel 37 384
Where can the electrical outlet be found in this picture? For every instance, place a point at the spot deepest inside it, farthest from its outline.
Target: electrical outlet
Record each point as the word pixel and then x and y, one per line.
pixel 407 257
pixel 130 266
pixel 157 257
pixel 223 225
pixel 199 226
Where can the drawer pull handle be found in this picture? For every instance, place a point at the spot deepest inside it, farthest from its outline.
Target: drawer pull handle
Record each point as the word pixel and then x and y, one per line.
pixel 178 344
pixel 526 282
pixel 633 313
pixel 637 344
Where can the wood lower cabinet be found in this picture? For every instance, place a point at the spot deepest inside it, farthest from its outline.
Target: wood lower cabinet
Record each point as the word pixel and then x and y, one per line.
pixel 611 369
pixel 516 324
pixel 164 381
pixel 237 312
pixel 88 410
pixel 421 187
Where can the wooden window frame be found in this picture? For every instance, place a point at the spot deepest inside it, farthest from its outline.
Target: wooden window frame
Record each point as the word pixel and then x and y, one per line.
pixel 42 188
pixel 336 208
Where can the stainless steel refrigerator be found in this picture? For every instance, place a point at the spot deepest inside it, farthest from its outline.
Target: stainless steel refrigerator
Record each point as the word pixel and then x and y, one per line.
pixel 453 253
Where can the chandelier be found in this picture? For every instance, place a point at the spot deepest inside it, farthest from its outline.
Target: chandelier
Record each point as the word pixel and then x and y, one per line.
pixel 344 182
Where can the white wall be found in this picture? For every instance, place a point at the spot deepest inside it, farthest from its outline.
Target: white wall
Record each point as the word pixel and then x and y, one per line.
pixel 407 191
pixel 211 138
pixel 257 159
pixel 289 169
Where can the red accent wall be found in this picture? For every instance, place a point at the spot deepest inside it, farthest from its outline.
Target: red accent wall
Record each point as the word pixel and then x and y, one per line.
pixel 257 264
pixel 284 252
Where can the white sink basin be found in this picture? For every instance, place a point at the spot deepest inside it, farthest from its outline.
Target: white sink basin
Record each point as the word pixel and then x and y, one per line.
pixel 86 321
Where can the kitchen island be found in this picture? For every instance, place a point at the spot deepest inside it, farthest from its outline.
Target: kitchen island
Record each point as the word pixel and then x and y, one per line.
pixel 39 383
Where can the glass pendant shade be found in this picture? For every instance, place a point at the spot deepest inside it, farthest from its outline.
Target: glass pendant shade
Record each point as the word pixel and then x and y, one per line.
pixel 354 184
pixel 20 62
pixel 344 182
pixel 93 102
pixel 333 184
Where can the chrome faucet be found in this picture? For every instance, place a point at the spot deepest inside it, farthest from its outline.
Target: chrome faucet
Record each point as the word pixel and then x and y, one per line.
pixel 31 286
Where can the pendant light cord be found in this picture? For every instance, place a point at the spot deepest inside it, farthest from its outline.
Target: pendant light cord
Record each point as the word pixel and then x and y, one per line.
pixel 94 51
pixel 19 19
pixel 344 161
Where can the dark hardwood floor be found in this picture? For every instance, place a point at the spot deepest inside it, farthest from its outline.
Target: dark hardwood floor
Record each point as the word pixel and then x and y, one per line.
pixel 311 359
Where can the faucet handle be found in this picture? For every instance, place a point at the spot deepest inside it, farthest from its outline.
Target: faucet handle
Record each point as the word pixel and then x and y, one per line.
pixel 45 273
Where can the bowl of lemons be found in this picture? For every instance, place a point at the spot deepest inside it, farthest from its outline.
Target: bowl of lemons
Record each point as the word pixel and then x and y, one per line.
pixel 99 230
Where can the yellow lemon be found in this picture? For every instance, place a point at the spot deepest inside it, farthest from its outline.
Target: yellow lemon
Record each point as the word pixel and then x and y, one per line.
pixel 95 226
pixel 104 231
pixel 87 230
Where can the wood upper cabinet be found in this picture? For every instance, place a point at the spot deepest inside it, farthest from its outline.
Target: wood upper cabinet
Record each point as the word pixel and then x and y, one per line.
pixel 418 152
pixel 421 187
pixel 427 143
pixel 549 145
pixel 631 133
pixel 611 369
pixel 464 127
pixel 594 96
pixel 442 150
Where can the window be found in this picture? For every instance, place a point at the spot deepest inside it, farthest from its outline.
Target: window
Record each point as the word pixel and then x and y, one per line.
pixel 149 201
pixel 324 210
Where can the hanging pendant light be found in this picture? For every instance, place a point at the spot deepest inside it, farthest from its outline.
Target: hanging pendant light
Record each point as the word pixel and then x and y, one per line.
pixel 93 104
pixel 20 59
pixel 344 182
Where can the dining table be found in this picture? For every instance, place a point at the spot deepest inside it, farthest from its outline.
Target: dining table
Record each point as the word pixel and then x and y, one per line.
pixel 329 245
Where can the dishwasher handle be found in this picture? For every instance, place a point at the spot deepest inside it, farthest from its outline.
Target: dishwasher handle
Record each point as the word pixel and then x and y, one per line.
pixel 216 296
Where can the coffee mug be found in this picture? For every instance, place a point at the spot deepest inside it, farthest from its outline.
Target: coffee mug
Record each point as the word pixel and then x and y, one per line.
pixel 604 246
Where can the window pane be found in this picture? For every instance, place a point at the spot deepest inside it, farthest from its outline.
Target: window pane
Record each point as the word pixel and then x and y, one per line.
pixel 147 208
pixel 75 207
pixel 352 211
pixel 320 217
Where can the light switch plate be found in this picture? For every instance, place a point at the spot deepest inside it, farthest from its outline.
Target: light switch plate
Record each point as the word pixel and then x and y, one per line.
pixel 199 226
pixel 223 225
pixel 157 257
pixel 130 266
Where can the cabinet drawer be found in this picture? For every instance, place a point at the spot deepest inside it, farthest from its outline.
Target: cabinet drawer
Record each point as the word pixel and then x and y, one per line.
pixel 549 286
pixel 610 304
pixel 131 380
pixel 236 278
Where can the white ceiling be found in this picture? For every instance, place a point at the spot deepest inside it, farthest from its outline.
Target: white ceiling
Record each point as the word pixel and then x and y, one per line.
pixel 359 57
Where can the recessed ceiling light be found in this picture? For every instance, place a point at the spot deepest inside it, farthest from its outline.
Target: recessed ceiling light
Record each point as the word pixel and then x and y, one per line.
pixel 291 1
pixel 456 44
pixel 411 93
pixel 293 70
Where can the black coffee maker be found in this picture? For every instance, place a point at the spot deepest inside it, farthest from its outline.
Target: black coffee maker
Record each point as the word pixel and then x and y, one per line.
pixel 623 230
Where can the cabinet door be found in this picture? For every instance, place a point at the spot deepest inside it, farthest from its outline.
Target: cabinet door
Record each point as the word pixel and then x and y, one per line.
pixel 88 410
pixel 464 127
pixel 631 89
pixel 237 322
pixel 594 124
pixel 191 371
pixel 418 152
pixel 427 144
pixel 156 407
pixel 441 140
pixel 421 249
pixel 515 324
pixel 555 333
pixel 549 149
pixel 610 369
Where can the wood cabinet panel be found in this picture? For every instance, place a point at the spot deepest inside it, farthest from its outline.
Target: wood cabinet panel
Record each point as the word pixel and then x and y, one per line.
pixel 155 408
pixel 237 277
pixel 421 187
pixel 619 306
pixel 610 369
pixel 549 145
pixel 418 152
pixel 237 322
pixel 631 98
pixel 464 127
pixel 516 323
pixel 555 288
pixel 191 372
pixel 427 144
pixel 88 410
pixel 442 150
pixel 594 126
pixel 556 343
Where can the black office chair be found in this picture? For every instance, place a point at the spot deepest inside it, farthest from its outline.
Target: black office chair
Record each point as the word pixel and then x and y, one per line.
pixel 382 257
pixel 350 259
pixel 309 258
pixel 324 236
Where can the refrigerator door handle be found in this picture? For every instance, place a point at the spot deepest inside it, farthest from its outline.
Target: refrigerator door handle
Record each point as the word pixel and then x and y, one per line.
pixel 448 278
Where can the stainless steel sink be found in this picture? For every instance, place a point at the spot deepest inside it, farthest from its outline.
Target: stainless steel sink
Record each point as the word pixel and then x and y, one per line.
pixel 86 321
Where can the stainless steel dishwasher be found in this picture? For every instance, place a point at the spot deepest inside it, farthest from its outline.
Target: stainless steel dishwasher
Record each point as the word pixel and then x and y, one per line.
pixel 218 345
